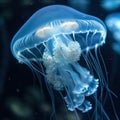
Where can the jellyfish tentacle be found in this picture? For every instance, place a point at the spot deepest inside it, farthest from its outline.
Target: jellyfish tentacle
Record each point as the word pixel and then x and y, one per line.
pixel 68 74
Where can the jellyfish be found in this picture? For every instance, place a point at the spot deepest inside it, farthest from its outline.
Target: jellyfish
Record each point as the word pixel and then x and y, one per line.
pixel 62 44
pixel 113 23
pixel 110 5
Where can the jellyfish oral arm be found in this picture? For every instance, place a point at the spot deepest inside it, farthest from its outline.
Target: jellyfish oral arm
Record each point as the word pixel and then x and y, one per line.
pixel 64 73
pixel 84 84
pixel 67 53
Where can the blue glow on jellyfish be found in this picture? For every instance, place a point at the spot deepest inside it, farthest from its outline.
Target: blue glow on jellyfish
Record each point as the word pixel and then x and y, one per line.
pixel 110 4
pixel 58 37
pixel 113 23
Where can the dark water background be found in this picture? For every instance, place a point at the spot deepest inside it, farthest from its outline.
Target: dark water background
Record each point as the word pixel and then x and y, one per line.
pixel 20 96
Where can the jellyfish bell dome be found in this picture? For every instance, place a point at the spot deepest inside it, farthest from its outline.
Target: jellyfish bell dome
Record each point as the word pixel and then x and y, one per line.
pixel 54 21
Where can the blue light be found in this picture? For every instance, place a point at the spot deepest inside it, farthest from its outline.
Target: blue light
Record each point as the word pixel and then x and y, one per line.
pixel 113 23
pixel 110 5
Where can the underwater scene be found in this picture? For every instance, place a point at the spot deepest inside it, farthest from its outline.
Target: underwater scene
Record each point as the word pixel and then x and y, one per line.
pixel 59 60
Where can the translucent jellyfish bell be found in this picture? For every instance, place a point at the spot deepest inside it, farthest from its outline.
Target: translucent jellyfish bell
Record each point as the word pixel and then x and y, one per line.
pixel 110 5
pixel 113 23
pixel 57 36
pixel 47 23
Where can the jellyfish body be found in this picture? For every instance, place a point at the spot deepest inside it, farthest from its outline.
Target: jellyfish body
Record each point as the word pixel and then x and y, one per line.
pixel 113 23
pixel 57 36
pixel 110 5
